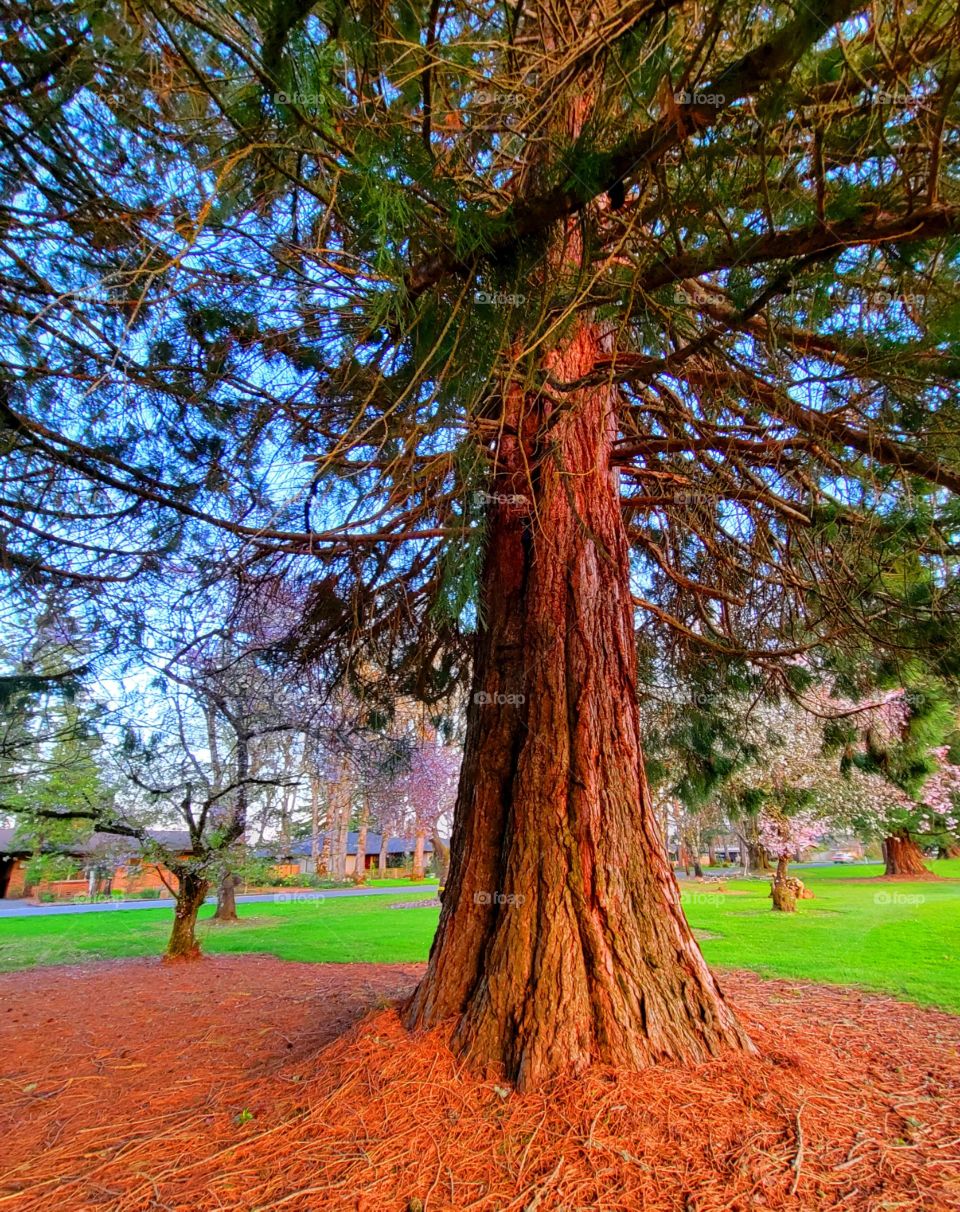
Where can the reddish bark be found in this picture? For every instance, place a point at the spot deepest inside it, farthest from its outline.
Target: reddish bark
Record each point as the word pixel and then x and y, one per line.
pixel 902 855
pixel 561 939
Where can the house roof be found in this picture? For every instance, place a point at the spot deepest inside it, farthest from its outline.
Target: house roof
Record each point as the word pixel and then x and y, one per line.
pixel 8 845
pixel 116 847
pixel 395 845
pixel 107 844
pixel 173 839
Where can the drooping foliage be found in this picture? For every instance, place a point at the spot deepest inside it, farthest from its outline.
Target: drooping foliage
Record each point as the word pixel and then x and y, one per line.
pixel 267 269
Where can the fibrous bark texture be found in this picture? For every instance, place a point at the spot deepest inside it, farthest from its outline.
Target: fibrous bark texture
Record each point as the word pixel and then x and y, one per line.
pixel 561 939
pixel 902 855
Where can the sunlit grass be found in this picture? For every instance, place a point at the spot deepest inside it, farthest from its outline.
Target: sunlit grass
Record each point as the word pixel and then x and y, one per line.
pixel 896 937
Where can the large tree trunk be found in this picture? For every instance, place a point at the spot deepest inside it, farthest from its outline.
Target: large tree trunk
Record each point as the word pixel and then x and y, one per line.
pixel 902 855
pixel 227 898
pixel 561 939
pixel 183 943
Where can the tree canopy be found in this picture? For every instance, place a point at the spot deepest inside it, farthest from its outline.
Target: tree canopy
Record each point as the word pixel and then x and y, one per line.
pixel 267 272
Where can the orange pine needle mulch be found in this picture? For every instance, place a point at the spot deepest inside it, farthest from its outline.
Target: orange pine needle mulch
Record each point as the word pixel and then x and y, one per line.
pixel 216 1086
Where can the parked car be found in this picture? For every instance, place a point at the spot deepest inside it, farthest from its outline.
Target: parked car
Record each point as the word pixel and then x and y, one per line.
pixel 844 856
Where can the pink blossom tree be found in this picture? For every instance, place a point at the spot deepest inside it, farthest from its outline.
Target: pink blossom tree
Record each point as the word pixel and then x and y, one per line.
pixel 429 791
pixel 785 837
pixel 930 807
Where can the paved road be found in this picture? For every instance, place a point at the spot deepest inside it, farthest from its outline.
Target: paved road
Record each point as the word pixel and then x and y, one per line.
pixel 21 909
pixel 18 908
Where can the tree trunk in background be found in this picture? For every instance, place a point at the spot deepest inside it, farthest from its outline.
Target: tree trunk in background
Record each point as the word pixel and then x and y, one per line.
pixel 183 943
pixel 339 799
pixel 334 843
pixel 325 850
pixel 758 857
pixel 418 863
pixel 227 898
pixel 783 893
pixel 343 837
pixel 561 939
pixel 360 868
pixel 315 824
pixel 441 858
pixel 949 852
pixel 283 837
pixel 382 859
pixel 902 855
pixel 696 847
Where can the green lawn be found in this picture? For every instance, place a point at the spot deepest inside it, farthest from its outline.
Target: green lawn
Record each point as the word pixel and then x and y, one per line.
pixel 901 938
pixel 877 935
pixel 341 930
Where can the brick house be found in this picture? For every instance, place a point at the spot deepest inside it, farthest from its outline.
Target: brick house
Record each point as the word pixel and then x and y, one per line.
pixel 13 861
pixel 104 863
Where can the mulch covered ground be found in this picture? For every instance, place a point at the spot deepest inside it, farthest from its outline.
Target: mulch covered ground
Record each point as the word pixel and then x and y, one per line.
pixel 246 1082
